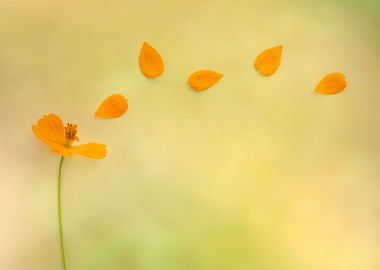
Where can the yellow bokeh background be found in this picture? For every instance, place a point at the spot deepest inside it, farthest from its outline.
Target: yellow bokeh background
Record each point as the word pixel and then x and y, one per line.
pixel 255 173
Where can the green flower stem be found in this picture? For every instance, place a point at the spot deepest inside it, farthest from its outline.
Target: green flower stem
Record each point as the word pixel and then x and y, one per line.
pixel 60 214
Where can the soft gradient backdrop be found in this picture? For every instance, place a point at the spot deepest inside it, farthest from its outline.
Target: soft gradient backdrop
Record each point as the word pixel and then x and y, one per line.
pixel 255 173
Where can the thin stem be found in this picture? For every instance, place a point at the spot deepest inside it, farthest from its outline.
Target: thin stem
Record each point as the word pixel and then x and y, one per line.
pixel 60 214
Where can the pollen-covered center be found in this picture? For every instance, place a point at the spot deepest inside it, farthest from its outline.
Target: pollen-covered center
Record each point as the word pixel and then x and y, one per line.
pixel 70 132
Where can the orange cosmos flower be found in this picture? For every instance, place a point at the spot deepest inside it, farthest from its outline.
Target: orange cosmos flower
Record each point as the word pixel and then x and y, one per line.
pixel 268 61
pixel 203 79
pixel 151 63
pixel 50 130
pixel 331 84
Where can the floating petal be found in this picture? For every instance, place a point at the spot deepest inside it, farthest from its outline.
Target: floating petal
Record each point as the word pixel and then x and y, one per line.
pixel 151 63
pixel 269 61
pixel 203 79
pixel 112 107
pixel 332 83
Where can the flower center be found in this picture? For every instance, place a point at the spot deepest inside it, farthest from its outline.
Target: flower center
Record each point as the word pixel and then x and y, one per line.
pixel 70 133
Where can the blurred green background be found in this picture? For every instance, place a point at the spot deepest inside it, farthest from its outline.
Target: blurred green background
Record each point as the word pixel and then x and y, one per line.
pixel 255 173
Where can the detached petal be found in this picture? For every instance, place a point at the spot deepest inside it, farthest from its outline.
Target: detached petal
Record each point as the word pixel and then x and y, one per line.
pixel 269 60
pixel 91 150
pixel 332 83
pixel 50 130
pixel 151 63
pixel 203 79
pixel 112 107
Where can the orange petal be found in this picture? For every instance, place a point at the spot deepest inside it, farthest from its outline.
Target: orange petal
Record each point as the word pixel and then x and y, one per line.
pixel 64 151
pixel 112 107
pixel 50 130
pixel 268 61
pixel 151 63
pixel 53 145
pixel 203 79
pixel 332 83
pixel 91 150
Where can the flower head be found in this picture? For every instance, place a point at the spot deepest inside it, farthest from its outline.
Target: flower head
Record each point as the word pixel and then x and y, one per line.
pixel 51 131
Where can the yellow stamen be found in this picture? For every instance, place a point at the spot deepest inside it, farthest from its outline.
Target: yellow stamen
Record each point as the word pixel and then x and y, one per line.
pixel 70 133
